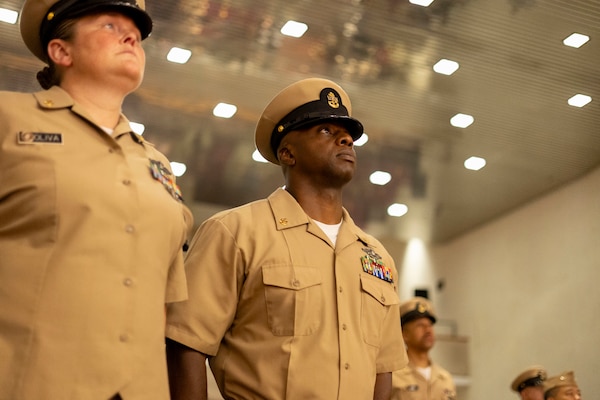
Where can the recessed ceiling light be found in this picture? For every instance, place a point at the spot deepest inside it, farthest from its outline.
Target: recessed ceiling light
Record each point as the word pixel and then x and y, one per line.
pixel 179 55
pixel 397 210
pixel 294 29
pixel 8 16
pixel 461 120
pixel 380 178
pixel 576 40
pixel 474 163
pixel 579 100
pixel 224 110
pixel 137 127
pixel 256 156
pixel 364 138
pixel 445 67
pixel 424 3
pixel 178 168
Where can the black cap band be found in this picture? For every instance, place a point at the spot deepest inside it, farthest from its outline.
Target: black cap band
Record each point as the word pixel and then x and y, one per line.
pixel 535 381
pixel 67 9
pixel 328 107
pixel 414 314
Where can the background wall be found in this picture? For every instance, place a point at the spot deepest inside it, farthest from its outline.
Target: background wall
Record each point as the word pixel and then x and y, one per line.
pixel 523 290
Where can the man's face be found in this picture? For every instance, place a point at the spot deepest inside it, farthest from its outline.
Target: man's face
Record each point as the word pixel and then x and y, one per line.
pixel 418 334
pixel 532 393
pixel 324 152
pixel 567 393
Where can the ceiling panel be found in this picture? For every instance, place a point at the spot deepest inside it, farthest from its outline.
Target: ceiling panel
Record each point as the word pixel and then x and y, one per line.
pixel 515 77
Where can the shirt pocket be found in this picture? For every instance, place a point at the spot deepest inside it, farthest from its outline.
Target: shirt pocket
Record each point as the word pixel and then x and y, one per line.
pixel 377 296
pixel 293 298
pixel 28 196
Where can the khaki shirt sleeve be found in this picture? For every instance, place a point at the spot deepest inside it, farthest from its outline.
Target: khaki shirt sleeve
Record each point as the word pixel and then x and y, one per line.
pixel 215 269
pixel 177 283
pixel 176 289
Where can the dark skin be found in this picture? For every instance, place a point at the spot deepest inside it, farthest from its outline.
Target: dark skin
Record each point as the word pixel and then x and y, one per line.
pixel 317 163
pixel 187 372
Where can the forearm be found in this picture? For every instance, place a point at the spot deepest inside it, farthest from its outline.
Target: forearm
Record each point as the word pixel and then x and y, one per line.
pixel 383 386
pixel 187 372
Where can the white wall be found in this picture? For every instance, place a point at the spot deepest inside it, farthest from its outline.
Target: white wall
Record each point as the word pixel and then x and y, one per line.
pixel 523 289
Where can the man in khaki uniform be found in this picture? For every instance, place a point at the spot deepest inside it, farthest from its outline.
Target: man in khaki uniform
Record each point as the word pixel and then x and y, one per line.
pixel 289 299
pixel 91 221
pixel 530 383
pixel 562 387
pixel 421 379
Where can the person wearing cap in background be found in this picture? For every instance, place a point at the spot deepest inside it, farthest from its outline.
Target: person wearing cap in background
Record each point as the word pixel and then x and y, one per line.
pixel 530 383
pixel 289 299
pixel 562 387
pixel 91 220
pixel 421 379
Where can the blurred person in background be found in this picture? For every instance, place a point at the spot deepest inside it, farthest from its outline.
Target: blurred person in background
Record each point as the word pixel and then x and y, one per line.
pixel 421 379
pixel 562 387
pixel 530 383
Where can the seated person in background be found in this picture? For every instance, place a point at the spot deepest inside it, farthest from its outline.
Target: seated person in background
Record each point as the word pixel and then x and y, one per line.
pixel 530 383
pixel 562 387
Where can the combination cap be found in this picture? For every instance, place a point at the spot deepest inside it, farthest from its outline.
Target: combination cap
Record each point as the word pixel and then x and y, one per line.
pixel 532 376
pixel 564 379
pixel 39 18
pixel 301 105
pixel 417 307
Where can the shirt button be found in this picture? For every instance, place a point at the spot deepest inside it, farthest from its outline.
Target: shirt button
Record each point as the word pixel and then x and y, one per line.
pixel 111 150
pixel 295 283
pixel 383 299
pixel 124 338
pixel 127 282
pixel 129 228
pixel 340 289
pixel 344 326
pixel 347 366
pixel 126 182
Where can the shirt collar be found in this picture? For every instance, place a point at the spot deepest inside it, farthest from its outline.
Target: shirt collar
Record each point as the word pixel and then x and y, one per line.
pixel 288 213
pixel 57 98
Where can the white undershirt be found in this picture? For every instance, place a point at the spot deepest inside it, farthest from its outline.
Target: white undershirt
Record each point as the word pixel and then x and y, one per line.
pixel 330 230
pixel 426 372
pixel 107 130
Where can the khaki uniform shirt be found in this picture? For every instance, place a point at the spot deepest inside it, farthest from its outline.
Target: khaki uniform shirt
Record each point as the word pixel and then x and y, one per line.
pixel 284 313
pixel 410 384
pixel 90 251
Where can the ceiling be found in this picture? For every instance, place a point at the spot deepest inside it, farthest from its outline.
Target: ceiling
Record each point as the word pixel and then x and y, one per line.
pixel 515 77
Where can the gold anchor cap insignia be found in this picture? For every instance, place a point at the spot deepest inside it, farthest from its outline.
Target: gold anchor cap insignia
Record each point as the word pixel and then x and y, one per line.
pixel 333 100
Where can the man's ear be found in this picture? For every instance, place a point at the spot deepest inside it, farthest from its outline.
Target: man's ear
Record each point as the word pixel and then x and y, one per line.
pixel 59 52
pixel 285 155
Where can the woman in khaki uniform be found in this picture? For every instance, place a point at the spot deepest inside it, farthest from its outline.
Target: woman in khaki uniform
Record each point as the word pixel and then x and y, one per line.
pixel 289 299
pixel 91 221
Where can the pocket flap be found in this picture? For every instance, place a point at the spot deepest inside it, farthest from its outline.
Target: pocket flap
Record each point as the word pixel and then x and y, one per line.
pixel 381 291
pixel 295 278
